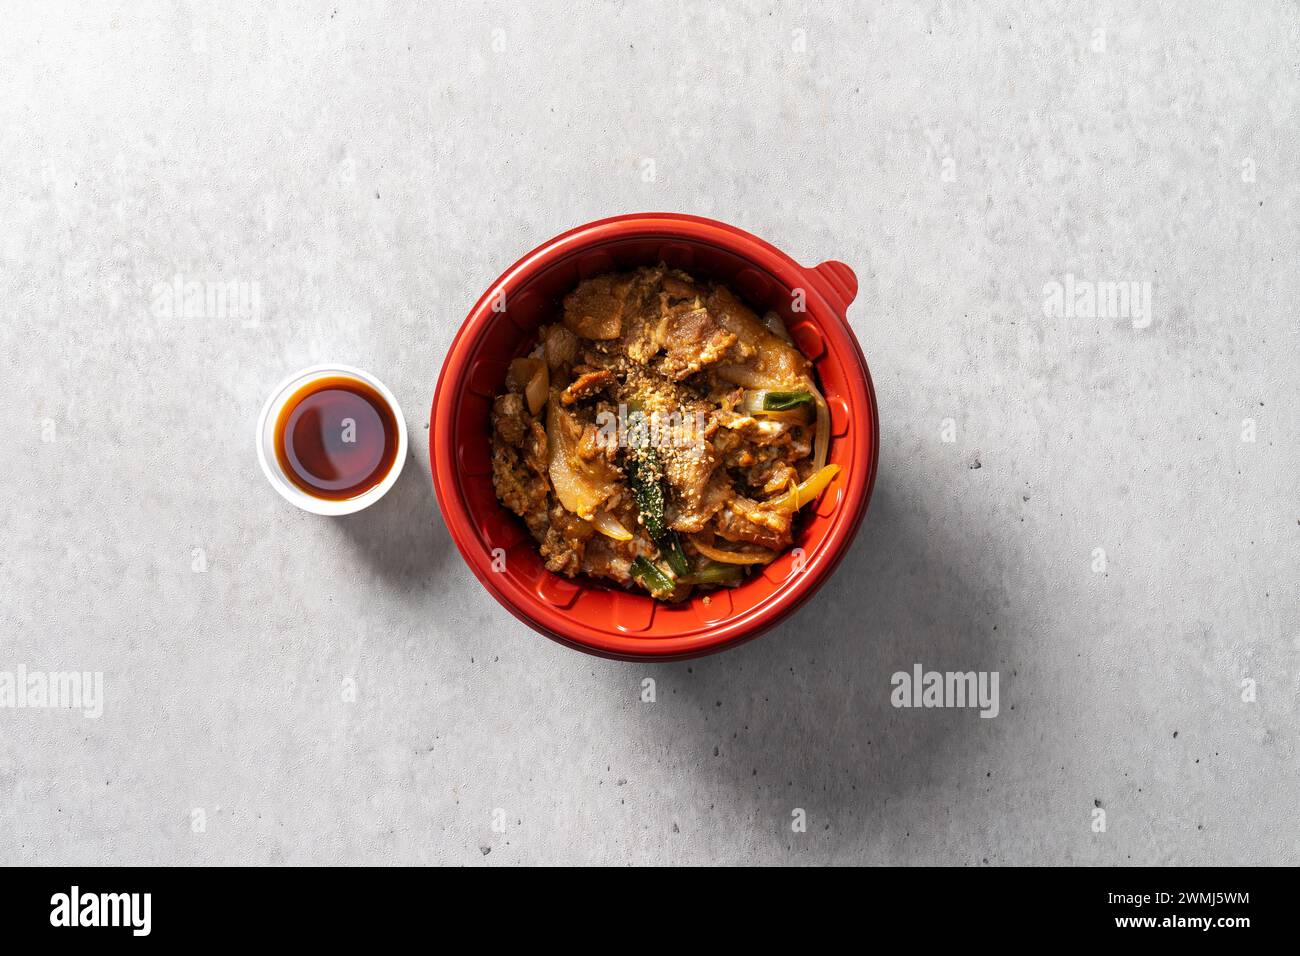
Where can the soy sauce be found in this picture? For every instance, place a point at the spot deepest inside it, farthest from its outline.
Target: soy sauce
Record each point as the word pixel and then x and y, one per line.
pixel 336 438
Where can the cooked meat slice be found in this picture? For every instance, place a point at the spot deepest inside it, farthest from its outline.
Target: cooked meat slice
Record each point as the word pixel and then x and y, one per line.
pixel 560 346
pixel 764 431
pixel 694 340
pixel 678 285
pixel 587 385
pixel 774 477
pixel 520 488
pixel 605 558
pixel 596 309
pixel 688 469
pixel 765 360
pixel 753 464
pixel 726 442
pixel 733 315
pixel 510 418
pixel 689 520
pixel 615 361
pixel 535 449
pixel 596 443
pixel 643 335
pixel 687 455
pixel 801 445
pixel 565 541
pixel 643 325
pixel 756 522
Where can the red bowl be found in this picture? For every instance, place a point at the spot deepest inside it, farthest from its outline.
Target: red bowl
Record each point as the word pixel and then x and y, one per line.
pixel 584 613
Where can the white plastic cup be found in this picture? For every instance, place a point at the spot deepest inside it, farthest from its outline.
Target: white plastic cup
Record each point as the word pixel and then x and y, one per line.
pixel 270 463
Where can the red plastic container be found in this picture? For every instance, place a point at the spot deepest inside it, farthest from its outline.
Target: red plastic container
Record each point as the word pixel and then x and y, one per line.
pixel 587 614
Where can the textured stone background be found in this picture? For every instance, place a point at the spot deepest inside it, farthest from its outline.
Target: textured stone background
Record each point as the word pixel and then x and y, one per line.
pixel 372 168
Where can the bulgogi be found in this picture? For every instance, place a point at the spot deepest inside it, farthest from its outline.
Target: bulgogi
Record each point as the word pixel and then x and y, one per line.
pixel 661 436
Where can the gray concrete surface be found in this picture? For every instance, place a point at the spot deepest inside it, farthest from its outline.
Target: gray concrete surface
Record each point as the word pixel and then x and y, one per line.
pixel 366 170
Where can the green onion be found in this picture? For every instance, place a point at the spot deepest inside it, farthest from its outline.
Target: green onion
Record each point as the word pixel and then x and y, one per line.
pixel 715 572
pixel 655 581
pixel 671 550
pixel 790 405
pixel 644 473
pixel 785 401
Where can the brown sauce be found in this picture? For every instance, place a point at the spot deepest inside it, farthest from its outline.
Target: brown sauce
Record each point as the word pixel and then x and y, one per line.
pixel 336 438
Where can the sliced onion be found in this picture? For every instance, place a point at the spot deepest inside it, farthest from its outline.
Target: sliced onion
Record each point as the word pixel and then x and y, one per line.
pixel 533 378
pixel 538 387
pixel 610 526
pixel 732 557
pixel 582 486
pixel 822 437
pixel 776 326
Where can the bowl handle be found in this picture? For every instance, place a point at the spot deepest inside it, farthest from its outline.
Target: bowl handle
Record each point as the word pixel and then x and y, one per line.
pixel 839 284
